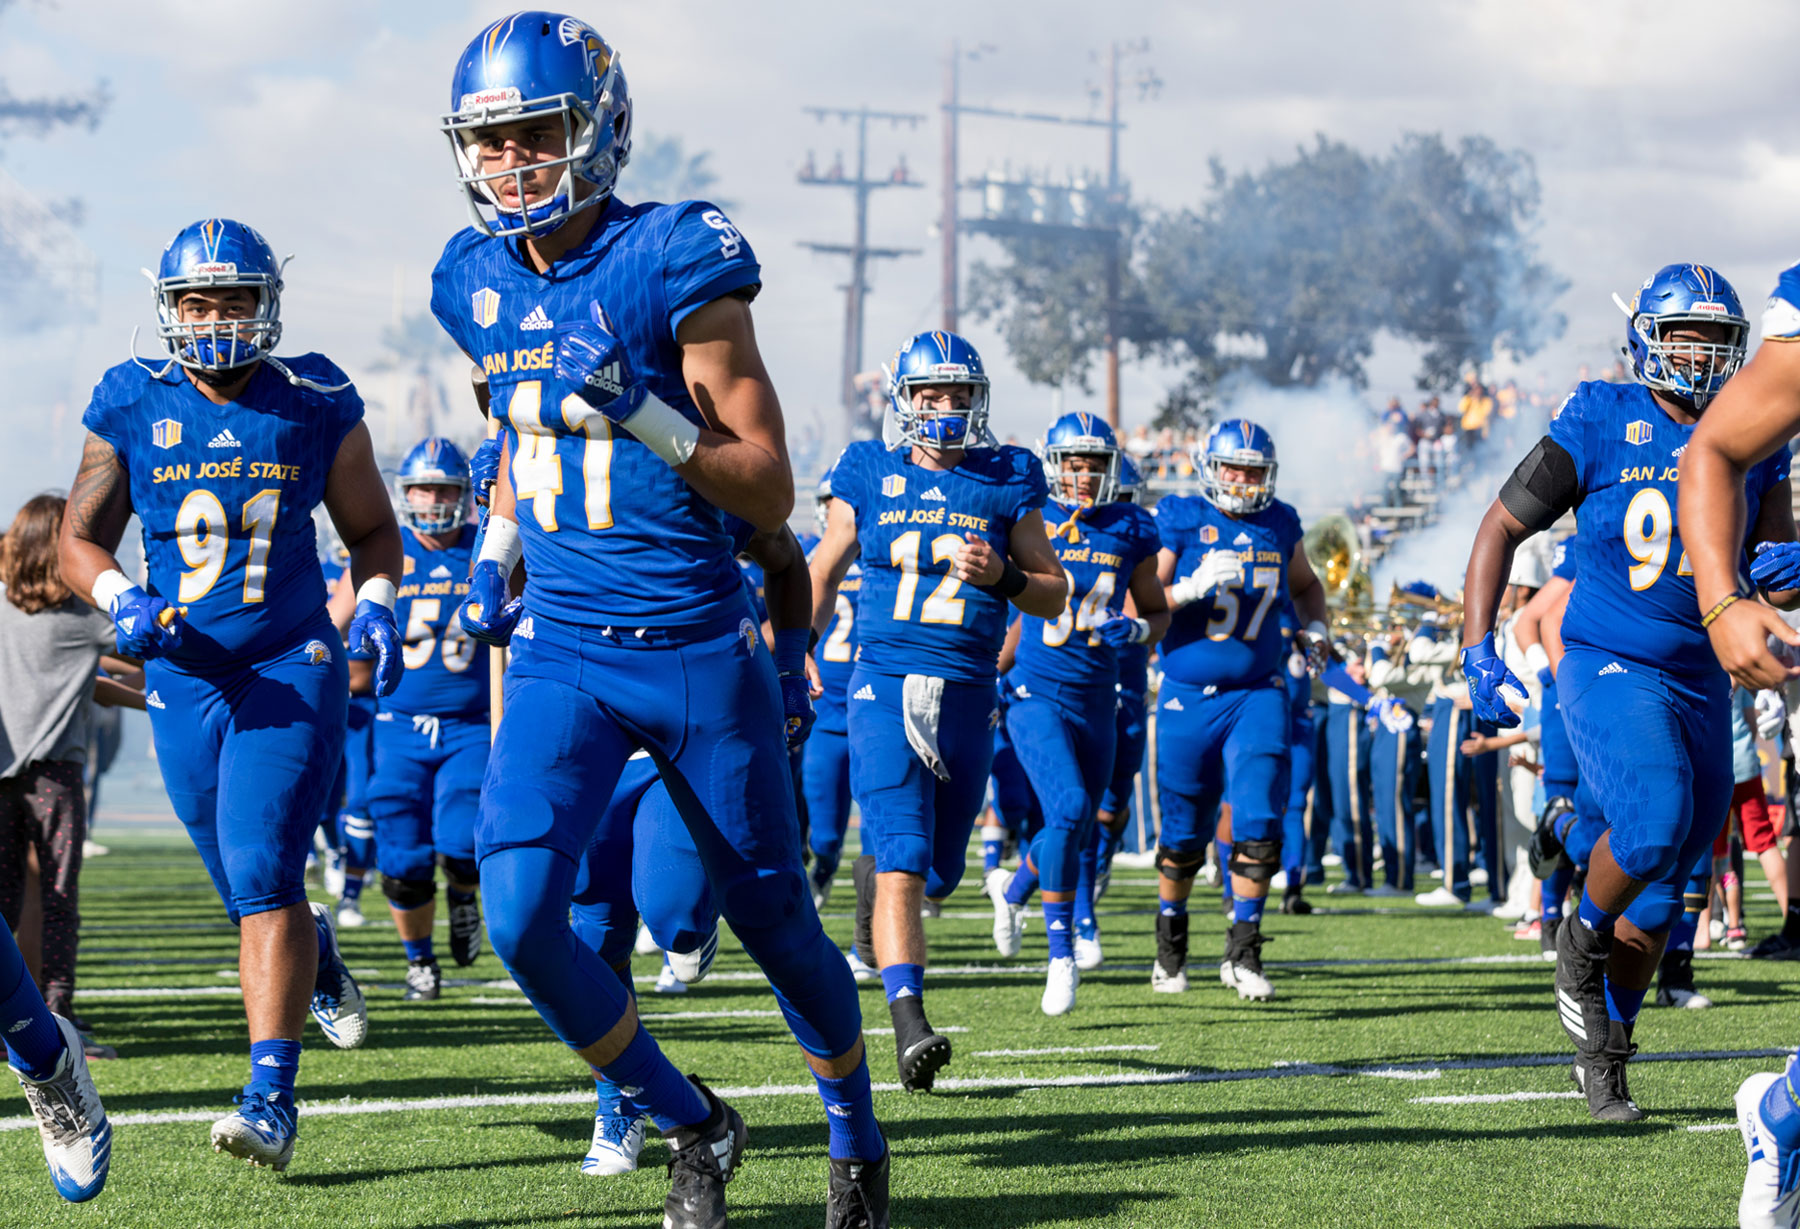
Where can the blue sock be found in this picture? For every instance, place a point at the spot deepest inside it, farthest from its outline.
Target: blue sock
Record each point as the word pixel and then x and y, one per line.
pixel 667 1095
pixel 353 885
pixel 1555 889
pixel 1108 845
pixel 1593 916
pixel 273 1066
pixel 1024 883
pixel 903 979
pixel 418 949
pixel 1781 1112
pixel 1623 1004
pixel 1172 908
pixel 850 1115
pixel 1681 934
pixel 1248 909
pixel 1059 927
pixel 34 1044
pixel 1222 851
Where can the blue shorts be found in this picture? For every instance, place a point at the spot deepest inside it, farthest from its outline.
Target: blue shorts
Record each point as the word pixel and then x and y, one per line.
pixel 1015 804
pixel 825 784
pixel 246 755
pixel 1654 752
pixel 425 790
pixel 1230 746
pixel 359 754
pixel 1560 773
pixel 1065 742
pixel 1131 730
pixel 911 820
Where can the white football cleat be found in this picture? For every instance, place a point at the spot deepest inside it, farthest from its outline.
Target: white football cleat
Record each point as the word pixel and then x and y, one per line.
pixel 1088 955
pixel 859 970
pixel 1439 898
pixel 667 982
pixel 337 1001
pixel 693 966
pixel 1507 911
pixel 1009 919
pixel 1059 989
pixel 71 1121
pixel 350 915
pixel 1692 1000
pixel 259 1130
pixel 1278 882
pixel 646 942
pixel 1248 982
pixel 1168 983
pixel 331 872
pixel 618 1138
pixel 1762 1205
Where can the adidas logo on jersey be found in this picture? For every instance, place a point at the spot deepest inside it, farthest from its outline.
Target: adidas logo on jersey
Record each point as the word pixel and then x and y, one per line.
pixel 1174 705
pixel 440 572
pixel 526 630
pixel 1243 539
pixel 1612 667
pixel 536 320
pixel 153 701
pixel 933 494
pixel 224 439
pixel 865 692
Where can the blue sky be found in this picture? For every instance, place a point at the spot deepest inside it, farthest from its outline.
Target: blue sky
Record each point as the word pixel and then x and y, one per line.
pixel 1657 138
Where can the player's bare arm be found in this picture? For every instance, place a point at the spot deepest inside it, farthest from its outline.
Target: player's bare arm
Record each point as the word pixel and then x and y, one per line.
pixel 94 523
pixel 1028 548
pixel 1305 589
pixel 1490 562
pixel 1146 599
pixel 1009 648
pixel 740 462
pixel 340 607
pixel 831 558
pixel 1757 412
pixel 357 500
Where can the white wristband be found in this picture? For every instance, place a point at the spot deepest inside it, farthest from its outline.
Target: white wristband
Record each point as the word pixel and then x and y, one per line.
pixel 1316 628
pixel 1536 657
pixel 501 545
pixel 109 587
pixel 662 429
pixel 377 589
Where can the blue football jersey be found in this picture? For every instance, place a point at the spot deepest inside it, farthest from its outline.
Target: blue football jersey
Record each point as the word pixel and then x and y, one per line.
pixel 1231 637
pixel 1634 589
pixel 1564 565
pixel 1099 548
pixel 225 495
pixel 1781 314
pixel 917 618
pixel 446 672
pixel 612 534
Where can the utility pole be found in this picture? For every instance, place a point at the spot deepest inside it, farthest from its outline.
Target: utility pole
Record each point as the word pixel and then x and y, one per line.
pixel 947 211
pixel 858 249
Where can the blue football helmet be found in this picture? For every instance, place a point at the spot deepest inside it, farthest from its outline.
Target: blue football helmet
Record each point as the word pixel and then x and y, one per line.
pixel 1677 295
pixel 937 358
pixel 1130 480
pixel 532 65
pixel 1080 434
pixel 1237 442
pixel 434 462
pixel 216 254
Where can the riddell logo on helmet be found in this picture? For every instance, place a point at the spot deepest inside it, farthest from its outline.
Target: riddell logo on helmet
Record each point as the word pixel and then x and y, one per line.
pixel 216 269
pixel 490 98
pixel 1719 308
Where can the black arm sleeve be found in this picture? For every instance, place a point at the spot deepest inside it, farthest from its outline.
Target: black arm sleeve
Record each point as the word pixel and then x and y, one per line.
pixel 1543 487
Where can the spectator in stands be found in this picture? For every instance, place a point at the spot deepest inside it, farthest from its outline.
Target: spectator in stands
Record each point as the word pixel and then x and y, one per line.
pixel 1476 407
pixel 1394 451
pixel 51 647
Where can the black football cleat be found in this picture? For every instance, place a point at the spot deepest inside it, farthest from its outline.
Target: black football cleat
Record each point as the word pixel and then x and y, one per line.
pixel 1602 1077
pixel 1581 956
pixel 704 1159
pixel 859 1195
pixel 921 1053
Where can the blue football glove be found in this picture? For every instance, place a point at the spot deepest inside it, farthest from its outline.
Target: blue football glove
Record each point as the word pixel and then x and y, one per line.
pixel 146 627
pixel 1776 566
pixel 797 705
pixel 374 631
pixel 1489 684
pixel 1120 630
pixel 484 469
pixel 591 359
pixel 487 614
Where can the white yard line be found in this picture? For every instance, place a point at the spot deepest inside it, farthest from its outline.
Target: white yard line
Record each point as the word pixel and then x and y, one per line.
pixel 1066 1050
pixel 1495 1098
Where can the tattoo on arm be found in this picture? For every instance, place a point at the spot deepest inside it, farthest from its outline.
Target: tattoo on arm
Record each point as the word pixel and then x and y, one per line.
pixel 100 503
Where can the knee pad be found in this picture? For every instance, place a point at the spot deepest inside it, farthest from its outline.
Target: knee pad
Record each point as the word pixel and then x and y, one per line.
pixel 1255 860
pixel 464 871
pixel 1694 902
pixel 1175 872
pixel 408 893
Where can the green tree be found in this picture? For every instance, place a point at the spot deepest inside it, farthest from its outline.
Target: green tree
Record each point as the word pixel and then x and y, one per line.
pixel 661 169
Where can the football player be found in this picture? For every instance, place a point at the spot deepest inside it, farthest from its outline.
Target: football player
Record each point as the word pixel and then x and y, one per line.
pixel 1228 556
pixel 1538 629
pixel 1302 738
pixel 951 534
pixel 431 735
pixel 825 772
pixel 1132 738
pixel 222 452
pixel 1642 695
pixel 356 831
pixel 1347 776
pixel 635 412
pixel 1064 683
pixel 45 1051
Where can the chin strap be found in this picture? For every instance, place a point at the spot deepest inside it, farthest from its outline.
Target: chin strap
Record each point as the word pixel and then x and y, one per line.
pixel 156 373
pixel 302 381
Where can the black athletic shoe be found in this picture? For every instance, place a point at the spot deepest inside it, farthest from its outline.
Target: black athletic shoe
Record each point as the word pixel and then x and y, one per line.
pixel 1170 972
pixel 1545 850
pixel 1675 982
pixel 1602 1077
pixel 862 874
pixel 1581 956
pixel 859 1194
pixel 704 1158
pixel 1547 936
pixel 920 1052
pixel 1294 903
pixel 465 931
pixel 1776 947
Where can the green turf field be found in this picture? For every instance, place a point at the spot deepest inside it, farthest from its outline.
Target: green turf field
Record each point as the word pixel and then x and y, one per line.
pixel 1138 1109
